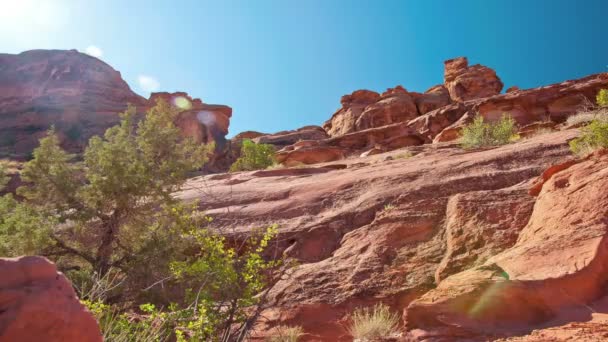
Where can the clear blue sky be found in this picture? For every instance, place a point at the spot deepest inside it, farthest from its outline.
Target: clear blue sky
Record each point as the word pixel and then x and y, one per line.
pixel 283 64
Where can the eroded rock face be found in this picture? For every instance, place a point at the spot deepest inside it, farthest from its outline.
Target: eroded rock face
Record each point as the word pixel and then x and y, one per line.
pixel 37 303
pixel 343 121
pixel 81 96
pixel 376 229
pixel 285 138
pixel 204 122
pixel 434 98
pixel 557 265
pixel 77 93
pixel 466 82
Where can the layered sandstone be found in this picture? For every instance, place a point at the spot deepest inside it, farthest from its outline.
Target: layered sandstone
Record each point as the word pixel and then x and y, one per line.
pixel 400 230
pixel 81 96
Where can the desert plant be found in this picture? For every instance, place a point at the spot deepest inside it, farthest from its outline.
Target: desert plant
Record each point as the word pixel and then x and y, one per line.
pixel 482 134
pixel 389 207
pixel 284 333
pixel 587 116
pixel 372 323
pixel 594 136
pixel 254 157
pixel 602 98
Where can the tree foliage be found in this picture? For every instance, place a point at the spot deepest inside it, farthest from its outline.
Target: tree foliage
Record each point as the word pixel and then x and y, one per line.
pixel 106 202
pixel 602 98
pixel 254 157
pixel 482 134
pixel 113 212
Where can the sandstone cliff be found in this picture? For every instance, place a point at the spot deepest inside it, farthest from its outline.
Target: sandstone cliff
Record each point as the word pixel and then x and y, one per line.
pixel 81 96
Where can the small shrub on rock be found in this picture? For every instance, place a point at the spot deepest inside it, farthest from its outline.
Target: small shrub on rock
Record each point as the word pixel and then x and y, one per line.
pixel 483 134
pixel 594 136
pixel 254 157
pixel 373 323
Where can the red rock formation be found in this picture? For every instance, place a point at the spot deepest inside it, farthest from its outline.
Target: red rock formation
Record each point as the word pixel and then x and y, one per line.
pixel 352 251
pixel 395 105
pixel 434 98
pixel 557 265
pixel 466 82
pixel 343 121
pixel 77 93
pixel 285 138
pixel 82 96
pixel 37 303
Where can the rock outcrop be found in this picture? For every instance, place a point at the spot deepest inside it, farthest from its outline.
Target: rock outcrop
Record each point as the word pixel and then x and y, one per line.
pixel 380 229
pixel 81 96
pixel 77 93
pixel 466 82
pixel 205 123
pixel 37 303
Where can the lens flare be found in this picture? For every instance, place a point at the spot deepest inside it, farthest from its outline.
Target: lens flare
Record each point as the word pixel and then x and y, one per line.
pixel 182 103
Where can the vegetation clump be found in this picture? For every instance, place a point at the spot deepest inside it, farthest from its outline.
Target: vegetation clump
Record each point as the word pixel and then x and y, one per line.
pixel 112 215
pixel 484 134
pixel 254 157
pixel 372 323
pixel 595 134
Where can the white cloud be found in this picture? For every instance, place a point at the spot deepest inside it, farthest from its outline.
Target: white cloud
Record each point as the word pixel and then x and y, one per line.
pixel 148 83
pixel 94 51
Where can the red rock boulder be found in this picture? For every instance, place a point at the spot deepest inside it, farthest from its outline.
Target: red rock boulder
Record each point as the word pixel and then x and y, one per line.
pixel 466 82
pixel 37 303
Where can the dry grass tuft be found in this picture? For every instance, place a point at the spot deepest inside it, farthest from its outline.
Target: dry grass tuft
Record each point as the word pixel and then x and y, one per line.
pixel 588 116
pixel 285 333
pixel 372 323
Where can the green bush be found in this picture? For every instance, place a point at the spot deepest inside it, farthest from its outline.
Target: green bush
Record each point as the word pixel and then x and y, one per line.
pixel 254 157
pixel 602 98
pixel 594 136
pixel 482 134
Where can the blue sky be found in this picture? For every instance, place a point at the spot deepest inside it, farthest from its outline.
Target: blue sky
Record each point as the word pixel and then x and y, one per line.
pixel 285 64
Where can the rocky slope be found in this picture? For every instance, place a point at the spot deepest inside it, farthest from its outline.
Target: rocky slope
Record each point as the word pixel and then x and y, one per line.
pixel 81 96
pixel 453 239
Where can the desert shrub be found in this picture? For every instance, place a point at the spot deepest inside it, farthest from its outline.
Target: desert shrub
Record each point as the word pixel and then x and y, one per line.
pixel 602 98
pixel 482 134
pixel 372 323
pixel 234 279
pixel 284 333
pixel 594 136
pixel 3 176
pixel 254 157
pixel 116 326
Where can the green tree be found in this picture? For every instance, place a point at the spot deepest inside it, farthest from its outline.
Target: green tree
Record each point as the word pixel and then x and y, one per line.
pixel 254 157
pixel 107 202
pixel 480 133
